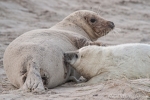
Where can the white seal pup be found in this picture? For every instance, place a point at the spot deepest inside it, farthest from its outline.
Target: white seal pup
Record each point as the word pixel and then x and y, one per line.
pixel 38 55
pixel 97 63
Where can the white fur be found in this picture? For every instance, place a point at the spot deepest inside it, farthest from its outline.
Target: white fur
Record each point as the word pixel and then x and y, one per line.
pixel 128 60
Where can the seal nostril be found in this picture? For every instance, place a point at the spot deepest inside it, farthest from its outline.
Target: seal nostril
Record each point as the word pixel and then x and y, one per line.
pixel 111 24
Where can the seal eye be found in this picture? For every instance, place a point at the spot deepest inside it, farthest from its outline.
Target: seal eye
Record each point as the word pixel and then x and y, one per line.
pixel 93 20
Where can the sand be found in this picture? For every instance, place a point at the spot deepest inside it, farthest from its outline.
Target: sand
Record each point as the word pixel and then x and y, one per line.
pixel 132 21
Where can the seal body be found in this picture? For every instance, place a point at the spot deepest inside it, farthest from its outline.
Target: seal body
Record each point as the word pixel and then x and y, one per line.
pixel 35 58
pixel 98 63
pixel 42 47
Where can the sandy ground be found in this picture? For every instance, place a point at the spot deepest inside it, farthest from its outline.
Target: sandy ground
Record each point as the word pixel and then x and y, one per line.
pixel 132 20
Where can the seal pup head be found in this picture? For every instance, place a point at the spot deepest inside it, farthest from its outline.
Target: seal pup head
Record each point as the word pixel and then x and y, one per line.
pixel 88 23
pixel 85 60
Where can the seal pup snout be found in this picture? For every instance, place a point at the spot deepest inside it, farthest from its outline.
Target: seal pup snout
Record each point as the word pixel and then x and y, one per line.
pixel 71 57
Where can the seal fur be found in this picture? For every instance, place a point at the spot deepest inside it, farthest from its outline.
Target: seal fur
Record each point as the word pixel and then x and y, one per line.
pixel 38 54
pixel 97 63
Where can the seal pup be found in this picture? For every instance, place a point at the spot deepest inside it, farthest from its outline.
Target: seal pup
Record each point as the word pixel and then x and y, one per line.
pixel 97 63
pixel 38 54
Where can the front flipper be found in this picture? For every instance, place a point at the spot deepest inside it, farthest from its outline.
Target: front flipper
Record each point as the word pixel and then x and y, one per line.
pixel 96 79
pixel 69 77
pixel 73 78
pixel 81 42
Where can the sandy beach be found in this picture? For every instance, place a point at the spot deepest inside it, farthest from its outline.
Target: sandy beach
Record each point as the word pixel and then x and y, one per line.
pixel 132 25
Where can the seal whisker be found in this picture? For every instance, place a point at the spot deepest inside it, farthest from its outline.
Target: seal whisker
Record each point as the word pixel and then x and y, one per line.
pixel 115 32
pixel 117 29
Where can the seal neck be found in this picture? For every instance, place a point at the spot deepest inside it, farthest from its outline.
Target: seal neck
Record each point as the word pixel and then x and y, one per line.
pixel 87 29
pixel 71 26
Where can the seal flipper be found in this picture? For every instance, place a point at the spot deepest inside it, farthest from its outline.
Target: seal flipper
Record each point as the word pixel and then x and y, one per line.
pixel 81 42
pixel 71 78
pixel 68 71
pixel 33 80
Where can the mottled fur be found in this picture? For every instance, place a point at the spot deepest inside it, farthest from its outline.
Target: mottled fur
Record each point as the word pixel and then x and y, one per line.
pixel 38 55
